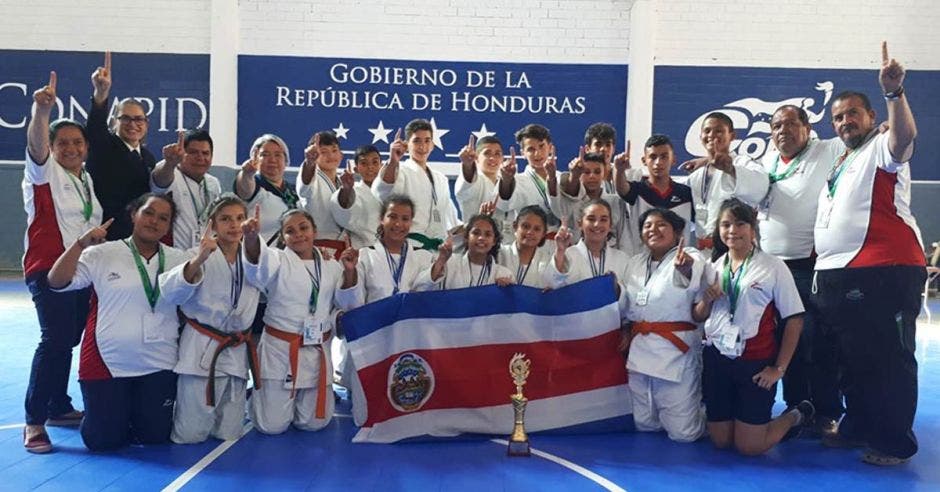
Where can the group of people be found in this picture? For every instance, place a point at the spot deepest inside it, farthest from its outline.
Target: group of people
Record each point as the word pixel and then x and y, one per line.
pixel 804 268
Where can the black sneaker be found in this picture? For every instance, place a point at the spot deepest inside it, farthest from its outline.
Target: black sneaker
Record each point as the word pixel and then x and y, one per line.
pixel 807 410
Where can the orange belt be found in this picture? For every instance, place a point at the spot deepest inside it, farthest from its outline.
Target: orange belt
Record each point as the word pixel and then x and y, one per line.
pixel 296 340
pixel 705 243
pixel 665 329
pixel 228 340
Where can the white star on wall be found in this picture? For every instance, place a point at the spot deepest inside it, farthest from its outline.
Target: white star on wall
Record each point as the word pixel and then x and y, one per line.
pixel 380 133
pixel 483 132
pixel 438 133
pixel 341 131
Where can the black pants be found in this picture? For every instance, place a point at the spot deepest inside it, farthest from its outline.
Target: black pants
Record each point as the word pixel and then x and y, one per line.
pixel 813 373
pixel 62 318
pixel 873 314
pixel 134 410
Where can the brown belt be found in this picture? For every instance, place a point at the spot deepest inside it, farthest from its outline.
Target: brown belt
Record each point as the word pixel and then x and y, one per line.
pixel 228 340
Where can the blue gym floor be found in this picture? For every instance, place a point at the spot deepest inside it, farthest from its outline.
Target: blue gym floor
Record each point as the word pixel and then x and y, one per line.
pixel 327 460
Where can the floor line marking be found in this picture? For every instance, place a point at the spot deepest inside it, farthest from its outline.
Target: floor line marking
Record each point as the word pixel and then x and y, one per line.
pixel 580 470
pixel 11 426
pixel 204 462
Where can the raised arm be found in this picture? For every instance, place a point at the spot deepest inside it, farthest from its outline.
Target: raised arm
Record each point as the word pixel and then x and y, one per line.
pixel 902 129
pixel 309 167
pixel 37 136
pixel 162 174
pixel 65 266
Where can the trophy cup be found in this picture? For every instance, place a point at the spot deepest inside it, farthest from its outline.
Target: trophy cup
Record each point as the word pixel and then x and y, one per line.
pixel 519 441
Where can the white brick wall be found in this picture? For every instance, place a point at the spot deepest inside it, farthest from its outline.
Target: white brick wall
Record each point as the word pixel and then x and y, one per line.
pixel 797 33
pixel 578 31
pixel 160 26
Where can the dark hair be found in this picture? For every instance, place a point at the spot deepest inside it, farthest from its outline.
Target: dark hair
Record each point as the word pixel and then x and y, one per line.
pixel 61 123
pixel 656 140
pixel 677 222
pixel 326 138
pixel 497 236
pixel 225 200
pixel 800 112
pixel 198 135
pixel 364 150
pixel 595 201
pixel 139 202
pixel 740 211
pixel 595 157
pixel 533 130
pixel 283 220
pixel 536 211
pixel 718 115
pixel 849 94
pixel 488 140
pixel 394 199
pixel 416 125
pixel 602 132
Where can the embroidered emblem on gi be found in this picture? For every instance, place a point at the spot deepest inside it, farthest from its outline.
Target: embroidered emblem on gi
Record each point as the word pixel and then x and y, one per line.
pixel 675 199
pixel 855 295
pixel 410 382
pixel 113 276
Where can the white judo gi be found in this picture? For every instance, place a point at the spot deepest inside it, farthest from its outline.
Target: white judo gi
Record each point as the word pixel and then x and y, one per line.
pixel 295 365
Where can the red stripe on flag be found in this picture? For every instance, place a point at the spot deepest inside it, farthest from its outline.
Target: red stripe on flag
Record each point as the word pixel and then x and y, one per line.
pixel 478 376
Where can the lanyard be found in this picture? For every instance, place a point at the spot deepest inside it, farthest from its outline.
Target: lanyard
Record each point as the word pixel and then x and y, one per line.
pixel 484 271
pixel 399 270
pixel 151 289
pixel 522 271
pixel 649 265
pixel 285 193
pixel 540 185
pixel 315 281
pixel 238 278
pixel 706 180
pixel 85 196
pixel 332 185
pixel 597 270
pixel 791 168
pixel 427 171
pixel 731 283
pixel 842 163
pixel 192 197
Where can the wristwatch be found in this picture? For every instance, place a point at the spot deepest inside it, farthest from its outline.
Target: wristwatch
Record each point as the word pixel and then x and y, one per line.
pixel 895 93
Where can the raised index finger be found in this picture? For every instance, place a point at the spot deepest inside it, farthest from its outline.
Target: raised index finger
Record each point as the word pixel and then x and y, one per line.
pixel 398 134
pixel 628 148
pixel 107 61
pixel 258 212
pixel 512 153
pixel 179 138
pixel 884 52
pixel 53 79
pixel 473 141
pixel 206 234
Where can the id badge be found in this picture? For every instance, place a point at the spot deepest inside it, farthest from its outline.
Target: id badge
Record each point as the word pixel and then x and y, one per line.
pixel 822 220
pixel 763 210
pixel 289 382
pixel 313 331
pixel 642 297
pixel 153 327
pixel 728 340
pixel 436 216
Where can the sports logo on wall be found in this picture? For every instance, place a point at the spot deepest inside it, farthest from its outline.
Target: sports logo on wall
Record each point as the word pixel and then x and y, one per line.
pixel 682 96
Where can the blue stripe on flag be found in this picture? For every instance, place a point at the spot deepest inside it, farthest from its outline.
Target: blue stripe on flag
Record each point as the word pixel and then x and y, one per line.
pixel 583 296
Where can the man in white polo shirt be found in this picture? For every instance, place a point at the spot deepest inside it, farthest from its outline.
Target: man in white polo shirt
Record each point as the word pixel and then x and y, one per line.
pixel 798 167
pixel 870 270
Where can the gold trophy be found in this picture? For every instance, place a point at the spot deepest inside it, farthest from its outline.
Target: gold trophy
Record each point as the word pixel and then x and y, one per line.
pixel 519 441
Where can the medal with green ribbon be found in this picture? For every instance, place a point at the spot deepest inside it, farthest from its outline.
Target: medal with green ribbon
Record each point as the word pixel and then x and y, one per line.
pixel 84 192
pixel 151 289
pixel 732 287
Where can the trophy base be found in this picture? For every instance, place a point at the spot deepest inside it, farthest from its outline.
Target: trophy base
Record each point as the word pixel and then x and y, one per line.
pixel 519 448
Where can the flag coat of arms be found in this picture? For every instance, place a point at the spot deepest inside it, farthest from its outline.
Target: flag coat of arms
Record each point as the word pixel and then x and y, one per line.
pixel 436 364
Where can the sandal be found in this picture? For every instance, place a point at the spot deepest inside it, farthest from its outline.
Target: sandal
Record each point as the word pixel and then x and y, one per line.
pixel 38 443
pixel 878 458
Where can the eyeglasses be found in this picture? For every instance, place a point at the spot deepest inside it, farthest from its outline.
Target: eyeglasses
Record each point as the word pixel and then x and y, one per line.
pixel 132 119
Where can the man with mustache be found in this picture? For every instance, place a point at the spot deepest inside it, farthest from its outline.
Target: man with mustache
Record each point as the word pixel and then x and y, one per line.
pixel 870 270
